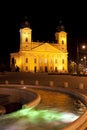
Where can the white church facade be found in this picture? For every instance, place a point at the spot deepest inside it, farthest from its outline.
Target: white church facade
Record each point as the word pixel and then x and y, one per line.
pixel 40 56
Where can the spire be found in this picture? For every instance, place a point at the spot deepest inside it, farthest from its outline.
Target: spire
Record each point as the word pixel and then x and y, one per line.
pixel 60 27
pixel 25 23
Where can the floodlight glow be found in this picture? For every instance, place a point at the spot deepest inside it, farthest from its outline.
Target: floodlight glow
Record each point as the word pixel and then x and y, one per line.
pixel 36 116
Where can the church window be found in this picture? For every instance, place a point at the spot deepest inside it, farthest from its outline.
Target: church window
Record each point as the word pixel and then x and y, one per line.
pixel 35 60
pixel 55 69
pixel 62 61
pixel 26 68
pixel 62 41
pixel 26 39
pixel 26 60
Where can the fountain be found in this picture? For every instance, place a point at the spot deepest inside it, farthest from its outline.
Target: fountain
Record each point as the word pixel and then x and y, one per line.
pixel 41 108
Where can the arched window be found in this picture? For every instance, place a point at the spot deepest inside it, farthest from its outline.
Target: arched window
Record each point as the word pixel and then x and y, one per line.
pixel 26 60
pixel 62 61
pixel 62 41
pixel 26 39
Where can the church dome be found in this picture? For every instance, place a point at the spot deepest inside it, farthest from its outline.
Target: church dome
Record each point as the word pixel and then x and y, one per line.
pixel 25 23
pixel 60 27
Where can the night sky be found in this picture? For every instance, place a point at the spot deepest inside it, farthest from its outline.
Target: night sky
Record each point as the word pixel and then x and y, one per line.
pixel 44 18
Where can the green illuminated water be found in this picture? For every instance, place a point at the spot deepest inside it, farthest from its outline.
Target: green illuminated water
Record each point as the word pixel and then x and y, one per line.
pixel 54 112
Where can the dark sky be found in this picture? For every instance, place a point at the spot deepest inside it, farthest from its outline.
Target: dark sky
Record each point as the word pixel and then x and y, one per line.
pixel 43 18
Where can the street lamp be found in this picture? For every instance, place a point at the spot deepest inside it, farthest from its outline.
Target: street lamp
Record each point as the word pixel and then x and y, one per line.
pixel 85 61
pixel 80 50
pixel 77 59
pixel 83 47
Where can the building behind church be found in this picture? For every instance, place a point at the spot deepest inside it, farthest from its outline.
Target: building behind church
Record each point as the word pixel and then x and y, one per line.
pixel 40 56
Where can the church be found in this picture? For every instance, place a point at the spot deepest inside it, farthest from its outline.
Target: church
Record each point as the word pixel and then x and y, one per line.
pixel 40 56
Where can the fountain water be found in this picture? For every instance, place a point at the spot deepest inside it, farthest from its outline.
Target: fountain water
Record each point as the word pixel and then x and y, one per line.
pixel 55 111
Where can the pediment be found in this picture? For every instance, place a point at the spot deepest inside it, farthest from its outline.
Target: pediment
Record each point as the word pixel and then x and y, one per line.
pixel 46 47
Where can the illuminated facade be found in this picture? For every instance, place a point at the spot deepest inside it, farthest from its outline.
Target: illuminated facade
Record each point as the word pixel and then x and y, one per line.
pixel 39 56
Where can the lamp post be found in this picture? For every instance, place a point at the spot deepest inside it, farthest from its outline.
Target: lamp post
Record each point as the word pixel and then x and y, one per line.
pixel 82 47
pixel 85 62
pixel 77 59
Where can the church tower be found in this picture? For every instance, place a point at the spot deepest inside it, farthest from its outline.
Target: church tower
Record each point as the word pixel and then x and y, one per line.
pixel 61 37
pixel 25 36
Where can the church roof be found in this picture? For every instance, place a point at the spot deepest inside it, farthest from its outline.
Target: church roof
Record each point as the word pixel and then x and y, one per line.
pixel 46 47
